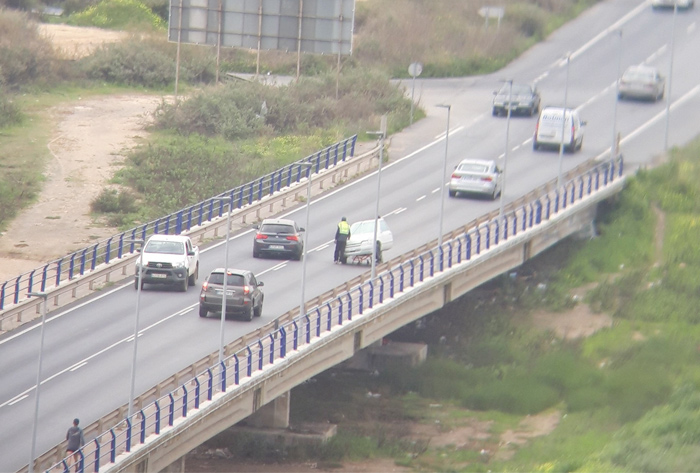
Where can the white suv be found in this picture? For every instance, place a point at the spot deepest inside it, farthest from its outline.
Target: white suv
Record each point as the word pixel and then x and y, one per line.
pixel 548 132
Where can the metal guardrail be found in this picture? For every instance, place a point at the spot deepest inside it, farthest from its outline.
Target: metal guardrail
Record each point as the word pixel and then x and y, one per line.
pixel 91 260
pixel 247 357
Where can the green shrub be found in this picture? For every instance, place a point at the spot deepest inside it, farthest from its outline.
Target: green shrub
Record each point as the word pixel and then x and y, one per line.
pixel 118 15
pixel 114 201
pixel 529 19
pixel 635 388
pixel 10 113
pixel 26 57
pixel 132 62
pixel 517 393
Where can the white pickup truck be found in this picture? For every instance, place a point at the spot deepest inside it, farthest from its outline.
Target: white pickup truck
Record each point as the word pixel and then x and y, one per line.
pixel 168 259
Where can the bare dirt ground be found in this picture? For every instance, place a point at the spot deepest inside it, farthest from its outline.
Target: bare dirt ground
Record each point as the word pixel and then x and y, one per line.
pixel 87 148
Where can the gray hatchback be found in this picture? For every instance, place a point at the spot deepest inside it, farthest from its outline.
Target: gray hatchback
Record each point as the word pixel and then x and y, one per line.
pixel 243 294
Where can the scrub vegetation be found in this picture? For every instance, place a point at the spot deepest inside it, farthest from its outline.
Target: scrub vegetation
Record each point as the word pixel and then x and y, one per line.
pixel 223 125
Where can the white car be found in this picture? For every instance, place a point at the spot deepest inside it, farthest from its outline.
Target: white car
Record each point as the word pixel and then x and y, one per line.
pixel 476 176
pixel 359 247
pixel 682 4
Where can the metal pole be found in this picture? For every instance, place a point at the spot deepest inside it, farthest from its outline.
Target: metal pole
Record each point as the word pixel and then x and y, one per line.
pixel 670 75
pixel 505 153
pixel 301 14
pixel 136 328
pixel 218 40
pixel 442 176
pixel 302 306
pixel 613 147
pixel 413 93
pixel 381 133
pixel 563 122
pixel 177 55
pixel 44 296
pixel 225 283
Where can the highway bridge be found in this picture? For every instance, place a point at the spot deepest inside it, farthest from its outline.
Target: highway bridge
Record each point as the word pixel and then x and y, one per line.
pixel 89 344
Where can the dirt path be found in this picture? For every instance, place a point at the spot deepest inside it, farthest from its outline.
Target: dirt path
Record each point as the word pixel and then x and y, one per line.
pixel 87 147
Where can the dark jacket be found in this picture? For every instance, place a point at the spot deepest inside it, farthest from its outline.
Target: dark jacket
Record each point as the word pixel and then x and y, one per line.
pixel 75 438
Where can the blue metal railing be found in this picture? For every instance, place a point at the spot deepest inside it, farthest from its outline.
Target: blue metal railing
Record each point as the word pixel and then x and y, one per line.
pixel 83 261
pixel 305 329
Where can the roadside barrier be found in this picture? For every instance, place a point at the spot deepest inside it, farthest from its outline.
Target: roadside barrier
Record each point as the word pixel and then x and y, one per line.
pixel 76 274
pixel 193 389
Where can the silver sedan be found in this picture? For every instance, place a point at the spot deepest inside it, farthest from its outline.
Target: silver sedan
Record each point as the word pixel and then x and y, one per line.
pixel 641 82
pixel 476 176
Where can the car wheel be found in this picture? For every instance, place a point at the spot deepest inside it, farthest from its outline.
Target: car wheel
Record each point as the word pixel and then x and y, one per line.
pixel 535 146
pixel 256 254
pixel 258 311
pixel 136 283
pixel 494 194
pixel 192 280
pixel 249 315
pixel 299 256
pixel 380 257
pixel 494 112
pixel 184 285
pixel 203 311
pixel 453 193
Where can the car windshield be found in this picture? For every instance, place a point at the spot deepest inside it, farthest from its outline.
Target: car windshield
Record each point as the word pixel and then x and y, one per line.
pixel 473 167
pixel 166 247
pixel 367 226
pixel 276 228
pixel 517 90
pixel 233 279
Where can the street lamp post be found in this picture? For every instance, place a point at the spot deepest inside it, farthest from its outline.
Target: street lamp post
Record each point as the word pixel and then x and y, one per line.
pixel 44 296
pixel 563 123
pixel 381 134
pixel 139 274
pixel 302 306
pixel 442 175
pixel 505 153
pixel 613 147
pixel 670 74
pixel 225 283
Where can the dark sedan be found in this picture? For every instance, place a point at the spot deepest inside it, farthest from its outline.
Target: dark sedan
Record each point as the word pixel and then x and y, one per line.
pixel 522 99
pixel 278 237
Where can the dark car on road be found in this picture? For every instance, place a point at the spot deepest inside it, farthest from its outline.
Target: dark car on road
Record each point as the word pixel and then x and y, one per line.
pixel 244 298
pixel 278 237
pixel 522 99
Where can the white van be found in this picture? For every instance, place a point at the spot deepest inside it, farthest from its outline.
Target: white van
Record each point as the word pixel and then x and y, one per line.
pixel 549 129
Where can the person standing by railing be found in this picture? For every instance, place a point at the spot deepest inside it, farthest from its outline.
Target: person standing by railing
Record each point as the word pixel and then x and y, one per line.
pixel 76 440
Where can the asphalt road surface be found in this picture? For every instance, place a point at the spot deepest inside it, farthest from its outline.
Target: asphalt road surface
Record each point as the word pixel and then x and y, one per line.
pixel 88 347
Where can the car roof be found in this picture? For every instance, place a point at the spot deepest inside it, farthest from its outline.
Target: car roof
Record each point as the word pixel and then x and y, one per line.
pixel 169 237
pixel 550 109
pixel 239 272
pixel 279 221
pixel 477 161
pixel 639 68
pixel 365 221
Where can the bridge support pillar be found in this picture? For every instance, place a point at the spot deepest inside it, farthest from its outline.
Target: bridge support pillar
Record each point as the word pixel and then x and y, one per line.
pixel 273 415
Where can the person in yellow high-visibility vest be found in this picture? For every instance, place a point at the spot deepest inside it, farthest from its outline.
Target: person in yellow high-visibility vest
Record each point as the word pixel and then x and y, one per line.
pixel 342 235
